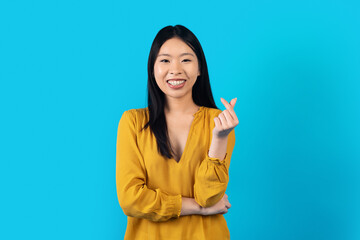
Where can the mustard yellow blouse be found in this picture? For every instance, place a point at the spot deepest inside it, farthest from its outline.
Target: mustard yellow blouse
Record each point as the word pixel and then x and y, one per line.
pixel 150 186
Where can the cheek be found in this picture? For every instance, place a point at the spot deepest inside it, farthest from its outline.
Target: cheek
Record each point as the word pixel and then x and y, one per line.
pixel 158 70
pixel 193 70
pixel 159 75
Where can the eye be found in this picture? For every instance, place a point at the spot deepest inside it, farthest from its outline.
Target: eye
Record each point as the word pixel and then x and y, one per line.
pixel 163 60
pixel 188 60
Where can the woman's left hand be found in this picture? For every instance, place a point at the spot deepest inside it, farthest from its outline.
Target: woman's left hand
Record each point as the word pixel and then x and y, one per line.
pixel 226 121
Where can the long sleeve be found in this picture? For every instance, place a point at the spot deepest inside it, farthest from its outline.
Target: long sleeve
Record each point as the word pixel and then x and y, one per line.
pixel 135 198
pixel 212 176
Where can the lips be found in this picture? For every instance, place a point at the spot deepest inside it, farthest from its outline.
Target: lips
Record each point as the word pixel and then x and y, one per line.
pixel 178 85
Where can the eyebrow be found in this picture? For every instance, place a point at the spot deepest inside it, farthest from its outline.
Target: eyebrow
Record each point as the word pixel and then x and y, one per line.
pixel 165 54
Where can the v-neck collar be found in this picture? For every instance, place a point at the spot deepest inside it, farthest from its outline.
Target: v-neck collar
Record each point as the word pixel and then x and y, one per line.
pixel 196 115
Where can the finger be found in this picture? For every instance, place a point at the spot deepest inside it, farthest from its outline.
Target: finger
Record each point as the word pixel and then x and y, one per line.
pixel 227 204
pixel 229 107
pixel 217 122
pixel 223 120
pixel 228 117
pixel 233 101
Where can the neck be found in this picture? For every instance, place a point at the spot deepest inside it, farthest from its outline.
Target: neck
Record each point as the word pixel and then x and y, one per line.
pixel 180 106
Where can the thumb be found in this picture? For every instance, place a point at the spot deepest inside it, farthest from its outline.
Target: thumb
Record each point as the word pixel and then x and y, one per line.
pixel 233 101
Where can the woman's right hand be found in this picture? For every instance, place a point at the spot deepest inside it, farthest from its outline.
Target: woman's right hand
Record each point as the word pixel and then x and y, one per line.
pixel 220 207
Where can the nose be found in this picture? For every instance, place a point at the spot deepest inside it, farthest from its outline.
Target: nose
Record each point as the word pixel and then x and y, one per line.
pixel 175 68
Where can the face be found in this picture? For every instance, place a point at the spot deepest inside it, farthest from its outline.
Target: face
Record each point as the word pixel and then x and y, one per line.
pixel 176 60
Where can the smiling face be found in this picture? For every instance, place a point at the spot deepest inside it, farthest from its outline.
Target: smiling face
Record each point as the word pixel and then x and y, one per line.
pixel 176 60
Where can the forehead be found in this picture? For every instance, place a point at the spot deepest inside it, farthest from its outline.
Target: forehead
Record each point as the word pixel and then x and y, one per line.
pixel 175 47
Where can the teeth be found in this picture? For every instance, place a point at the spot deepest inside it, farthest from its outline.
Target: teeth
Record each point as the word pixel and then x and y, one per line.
pixel 175 83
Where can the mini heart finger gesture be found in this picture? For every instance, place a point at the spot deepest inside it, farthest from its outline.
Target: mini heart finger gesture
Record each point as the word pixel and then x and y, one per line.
pixel 226 120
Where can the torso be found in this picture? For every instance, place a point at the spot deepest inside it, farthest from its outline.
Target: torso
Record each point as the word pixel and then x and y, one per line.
pixel 178 129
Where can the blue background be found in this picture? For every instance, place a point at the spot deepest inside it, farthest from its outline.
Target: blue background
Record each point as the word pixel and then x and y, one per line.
pixel 69 69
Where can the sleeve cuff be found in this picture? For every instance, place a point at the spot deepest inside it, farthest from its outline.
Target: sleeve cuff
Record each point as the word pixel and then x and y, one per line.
pixel 217 160
pixel 177 205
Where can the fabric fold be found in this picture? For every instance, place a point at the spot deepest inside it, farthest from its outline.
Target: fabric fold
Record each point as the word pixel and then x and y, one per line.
pixel 135 198
pixel 212 176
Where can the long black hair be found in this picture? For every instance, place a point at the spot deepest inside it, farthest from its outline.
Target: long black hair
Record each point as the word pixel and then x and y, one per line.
pixel 201 91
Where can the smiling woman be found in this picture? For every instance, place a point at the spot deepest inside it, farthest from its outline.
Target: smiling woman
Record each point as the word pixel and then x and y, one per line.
pixel 173 157
pixel 176 67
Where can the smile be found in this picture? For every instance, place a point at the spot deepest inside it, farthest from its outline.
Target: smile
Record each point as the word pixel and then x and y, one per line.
pixel 176 84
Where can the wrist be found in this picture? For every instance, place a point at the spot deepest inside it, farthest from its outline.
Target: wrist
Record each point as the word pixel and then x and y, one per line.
pixel 218 147
pixel 202 211
pixel 219 139
pixel 198 209
pixel 189 206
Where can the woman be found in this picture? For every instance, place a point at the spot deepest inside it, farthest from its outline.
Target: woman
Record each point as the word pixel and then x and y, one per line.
pixel 173 157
